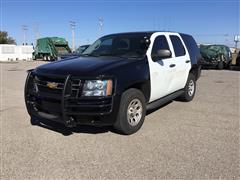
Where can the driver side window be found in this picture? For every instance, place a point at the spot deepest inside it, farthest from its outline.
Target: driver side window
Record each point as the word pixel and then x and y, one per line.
pixel 160 43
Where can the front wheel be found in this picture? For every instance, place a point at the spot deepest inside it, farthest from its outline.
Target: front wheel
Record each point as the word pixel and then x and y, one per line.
pixel 132 112
pixel 34 121
pixel 189 89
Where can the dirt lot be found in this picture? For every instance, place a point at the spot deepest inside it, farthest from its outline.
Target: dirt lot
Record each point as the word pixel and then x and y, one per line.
pixel 196 140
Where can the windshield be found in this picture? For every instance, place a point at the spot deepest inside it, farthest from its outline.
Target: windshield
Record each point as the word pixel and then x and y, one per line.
pixel 129 46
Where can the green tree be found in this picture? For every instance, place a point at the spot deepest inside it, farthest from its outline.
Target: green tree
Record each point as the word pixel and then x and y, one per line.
pixel 5 39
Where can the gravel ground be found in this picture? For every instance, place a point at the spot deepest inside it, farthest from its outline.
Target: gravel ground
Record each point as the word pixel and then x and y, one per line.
pixel 196 140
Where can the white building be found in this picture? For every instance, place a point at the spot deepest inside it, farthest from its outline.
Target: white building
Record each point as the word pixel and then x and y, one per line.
pixel 9 52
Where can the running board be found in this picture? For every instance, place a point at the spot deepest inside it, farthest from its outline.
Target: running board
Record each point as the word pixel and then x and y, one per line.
pixel 164 100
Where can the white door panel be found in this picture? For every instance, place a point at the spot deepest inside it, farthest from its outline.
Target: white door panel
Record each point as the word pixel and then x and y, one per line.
pixel 182 68
pixel 161 74
pixel 165 79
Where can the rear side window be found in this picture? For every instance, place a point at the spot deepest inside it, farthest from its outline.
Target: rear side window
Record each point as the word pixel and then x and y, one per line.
pixel 160 43
pixel 192 48
pixel 177 46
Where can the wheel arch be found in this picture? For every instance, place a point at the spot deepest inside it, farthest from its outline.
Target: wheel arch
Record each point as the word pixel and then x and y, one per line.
pixel 144 87
pixel 196 71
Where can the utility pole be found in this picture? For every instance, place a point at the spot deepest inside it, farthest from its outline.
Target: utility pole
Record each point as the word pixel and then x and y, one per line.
pixel 24 29
pixel 73 26
pixel 100 24
pixel 236 40
pixel 36 31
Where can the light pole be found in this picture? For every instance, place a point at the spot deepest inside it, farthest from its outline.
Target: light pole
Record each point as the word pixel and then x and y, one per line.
pixel 100 24
pixel 236 40
pixel 36 31
pixel 24 29
pixel 73 26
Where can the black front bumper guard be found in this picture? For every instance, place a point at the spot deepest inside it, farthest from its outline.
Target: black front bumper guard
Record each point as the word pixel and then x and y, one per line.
pixel 67 117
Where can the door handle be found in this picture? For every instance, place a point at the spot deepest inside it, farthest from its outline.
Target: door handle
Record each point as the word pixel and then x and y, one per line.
pixel 187 61
pixel 172 65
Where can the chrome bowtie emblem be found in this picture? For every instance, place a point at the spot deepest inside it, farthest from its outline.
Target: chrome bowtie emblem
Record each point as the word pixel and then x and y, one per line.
pixel 52 85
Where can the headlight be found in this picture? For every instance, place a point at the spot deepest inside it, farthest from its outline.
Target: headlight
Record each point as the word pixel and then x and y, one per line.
pixel 97 88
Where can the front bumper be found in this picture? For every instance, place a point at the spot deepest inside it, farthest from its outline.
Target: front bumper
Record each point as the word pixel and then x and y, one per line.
pixel 68 107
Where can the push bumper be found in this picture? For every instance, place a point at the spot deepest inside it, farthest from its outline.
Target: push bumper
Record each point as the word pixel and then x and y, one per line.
pixel 67 108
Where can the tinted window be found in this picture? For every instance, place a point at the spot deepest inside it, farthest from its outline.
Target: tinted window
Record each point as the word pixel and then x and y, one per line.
pixel 177 46
pixel 160 43
pixel 192 47
pixel 119 45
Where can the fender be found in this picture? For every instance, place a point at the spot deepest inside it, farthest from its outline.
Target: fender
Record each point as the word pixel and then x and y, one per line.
pixel 133 75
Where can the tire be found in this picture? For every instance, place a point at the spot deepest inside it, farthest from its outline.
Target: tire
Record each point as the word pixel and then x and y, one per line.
pixel 131 113
pixel 189 89
pixel 220 65
pixel 45 57
pixel 50 58
pixel 34 121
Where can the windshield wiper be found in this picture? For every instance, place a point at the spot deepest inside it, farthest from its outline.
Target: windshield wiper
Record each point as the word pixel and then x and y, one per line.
pixel 107 54
pixel 110 54
pixel 130 57
pixel 88 55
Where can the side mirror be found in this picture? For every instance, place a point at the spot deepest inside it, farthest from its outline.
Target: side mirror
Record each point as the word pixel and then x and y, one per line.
pixel 162 54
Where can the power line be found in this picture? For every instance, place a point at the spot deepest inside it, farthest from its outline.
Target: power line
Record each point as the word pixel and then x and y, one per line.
pixel 221 35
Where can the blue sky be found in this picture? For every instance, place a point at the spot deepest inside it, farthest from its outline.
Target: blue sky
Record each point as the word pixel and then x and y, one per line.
pixel 209 21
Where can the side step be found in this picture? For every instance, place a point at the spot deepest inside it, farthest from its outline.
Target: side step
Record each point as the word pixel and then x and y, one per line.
pixel 164 100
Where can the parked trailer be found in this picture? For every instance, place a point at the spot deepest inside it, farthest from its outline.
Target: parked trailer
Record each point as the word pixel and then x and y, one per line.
pixel 10 52
pixel 51 48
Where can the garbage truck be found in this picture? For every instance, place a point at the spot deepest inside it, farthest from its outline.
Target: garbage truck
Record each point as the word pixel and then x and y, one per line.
pixel 51 48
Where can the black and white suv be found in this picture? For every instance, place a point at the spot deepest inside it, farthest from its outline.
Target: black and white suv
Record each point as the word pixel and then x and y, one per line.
pixel 115 80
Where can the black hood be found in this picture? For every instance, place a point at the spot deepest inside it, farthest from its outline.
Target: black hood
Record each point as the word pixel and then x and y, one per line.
pixel 84 66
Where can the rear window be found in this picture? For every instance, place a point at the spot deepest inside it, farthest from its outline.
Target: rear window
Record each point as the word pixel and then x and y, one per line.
pixel 192 47
pixel 177 46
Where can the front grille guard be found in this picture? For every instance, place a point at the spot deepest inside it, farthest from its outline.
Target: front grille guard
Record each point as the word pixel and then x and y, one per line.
pixel 66 116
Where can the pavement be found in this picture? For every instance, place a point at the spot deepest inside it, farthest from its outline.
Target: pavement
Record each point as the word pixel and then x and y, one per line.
pixel 195 140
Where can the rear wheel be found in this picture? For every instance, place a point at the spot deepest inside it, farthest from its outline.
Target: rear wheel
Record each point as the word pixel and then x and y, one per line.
pixel 220 65
pixel 189 89
pixel 222 62
pixel 45 57
pixel 49 58
pixel 132 112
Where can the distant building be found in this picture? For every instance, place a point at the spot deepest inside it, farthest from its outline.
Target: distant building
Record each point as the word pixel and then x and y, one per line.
pixel 9 52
